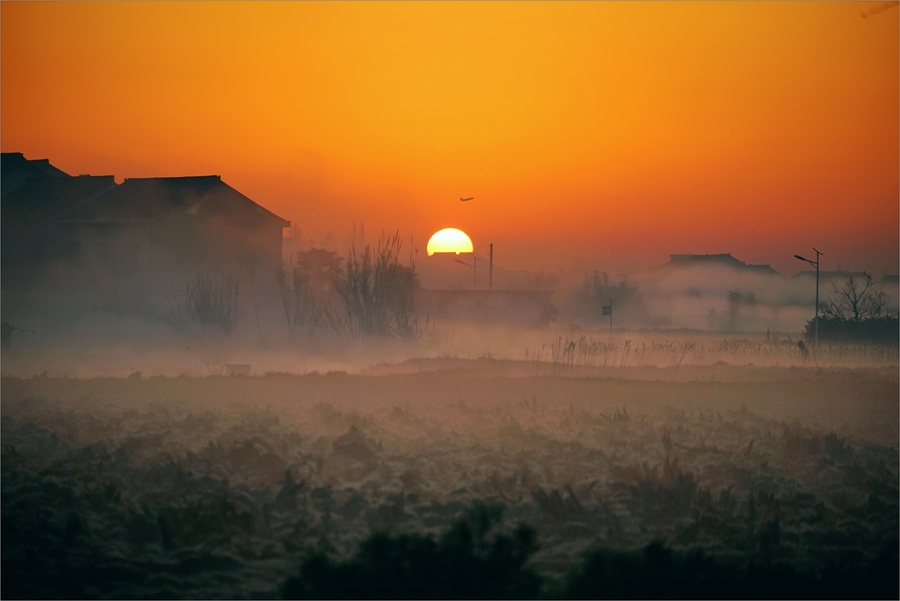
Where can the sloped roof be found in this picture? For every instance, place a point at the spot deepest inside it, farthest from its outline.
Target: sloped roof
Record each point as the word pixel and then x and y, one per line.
pixel 725 259
pixel 38 200
pixel 15 170
pixel 166 198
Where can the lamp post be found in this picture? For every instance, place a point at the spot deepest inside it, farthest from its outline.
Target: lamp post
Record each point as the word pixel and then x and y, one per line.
pixel 474 269
pixel 475 266
pixel 491 269
pixel 816 265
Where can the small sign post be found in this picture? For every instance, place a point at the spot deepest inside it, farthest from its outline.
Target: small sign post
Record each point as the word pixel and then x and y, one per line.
pixel 607 310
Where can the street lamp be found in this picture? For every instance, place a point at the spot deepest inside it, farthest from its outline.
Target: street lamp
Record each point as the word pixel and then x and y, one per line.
pixel 456 241
pixel 474 269
pixel 816 265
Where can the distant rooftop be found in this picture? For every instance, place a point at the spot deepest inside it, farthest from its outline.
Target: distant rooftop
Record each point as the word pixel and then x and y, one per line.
pixel 154 198
pixel 15 170
pixel 39 199
pixel 725 259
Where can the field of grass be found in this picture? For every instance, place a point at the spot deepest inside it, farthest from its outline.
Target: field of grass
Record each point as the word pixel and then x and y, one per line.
pixel 221 486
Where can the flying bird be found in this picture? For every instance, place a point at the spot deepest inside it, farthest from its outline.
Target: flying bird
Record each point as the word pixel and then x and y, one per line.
pixel 466 199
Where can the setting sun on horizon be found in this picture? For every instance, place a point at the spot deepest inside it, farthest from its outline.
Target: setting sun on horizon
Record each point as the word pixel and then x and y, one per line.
pixel 612 133
pixel 449 240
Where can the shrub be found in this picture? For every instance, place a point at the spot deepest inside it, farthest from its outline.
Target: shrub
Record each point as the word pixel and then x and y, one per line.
pixel 463 564
pixel 210 300
pixel 378 292
pixel 309 295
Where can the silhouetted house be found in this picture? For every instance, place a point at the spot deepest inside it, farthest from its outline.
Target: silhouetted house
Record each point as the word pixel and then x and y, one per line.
pixel 521 307
pixel 133 247
pixel 148 223
pixel 717 292
pixel 17 170
pixel 31 241
pixel 721 260
pixel 157 234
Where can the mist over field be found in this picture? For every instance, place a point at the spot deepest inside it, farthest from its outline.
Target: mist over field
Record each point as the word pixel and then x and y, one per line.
pixel 455 300
pixel 294 453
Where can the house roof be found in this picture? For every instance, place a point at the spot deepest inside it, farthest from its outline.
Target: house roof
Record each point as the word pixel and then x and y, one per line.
pixel 15 170
pixel 164 198
pixel 39 199
pixel 725 259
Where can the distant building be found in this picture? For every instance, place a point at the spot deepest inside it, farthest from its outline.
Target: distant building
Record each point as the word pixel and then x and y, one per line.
pixel 30 234
pixel 17 170
pixel 717 292
pixel 724 260
pixel 131 247
pixel 155 223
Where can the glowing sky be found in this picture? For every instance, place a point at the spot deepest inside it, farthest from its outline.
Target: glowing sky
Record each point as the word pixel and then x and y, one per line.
pixel 613 132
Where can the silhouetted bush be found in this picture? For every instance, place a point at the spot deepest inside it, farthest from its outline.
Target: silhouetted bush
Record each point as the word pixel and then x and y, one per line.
pixel 378 292
pixel 370 293
pixel 210 301
pixel 308 293
pixel 462 564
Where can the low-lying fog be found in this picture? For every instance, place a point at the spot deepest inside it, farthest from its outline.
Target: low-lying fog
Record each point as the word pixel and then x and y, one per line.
pixel 684 355
pixel 170 456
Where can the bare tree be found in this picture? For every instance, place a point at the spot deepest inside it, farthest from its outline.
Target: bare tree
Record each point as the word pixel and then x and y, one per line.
pixel 857 300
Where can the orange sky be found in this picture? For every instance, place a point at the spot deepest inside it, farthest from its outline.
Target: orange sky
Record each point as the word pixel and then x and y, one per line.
pixel 613 132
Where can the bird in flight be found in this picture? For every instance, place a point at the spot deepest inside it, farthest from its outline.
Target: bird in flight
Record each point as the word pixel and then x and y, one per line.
pixel 465 199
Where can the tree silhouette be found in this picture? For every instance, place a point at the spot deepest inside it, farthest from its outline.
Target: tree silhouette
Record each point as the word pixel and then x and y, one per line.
pixel 857 300
pixel 857 312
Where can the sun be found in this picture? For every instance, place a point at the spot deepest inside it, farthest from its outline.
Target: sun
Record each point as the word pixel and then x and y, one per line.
pixel 449 240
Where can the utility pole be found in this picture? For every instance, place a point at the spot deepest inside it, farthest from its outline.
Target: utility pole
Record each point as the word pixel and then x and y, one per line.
pixel 816 265
pixel 491 269
pixel 818 254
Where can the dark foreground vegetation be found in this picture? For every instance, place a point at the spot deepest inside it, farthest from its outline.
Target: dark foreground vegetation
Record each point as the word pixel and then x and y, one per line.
pixel 270 487
pixel 465 564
